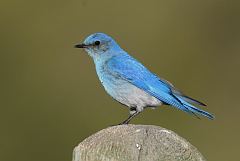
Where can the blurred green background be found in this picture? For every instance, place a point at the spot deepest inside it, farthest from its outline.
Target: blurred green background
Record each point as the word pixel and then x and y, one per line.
pixel 51 98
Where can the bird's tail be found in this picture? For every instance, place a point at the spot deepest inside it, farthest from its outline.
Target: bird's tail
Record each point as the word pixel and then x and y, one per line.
pixel 189 108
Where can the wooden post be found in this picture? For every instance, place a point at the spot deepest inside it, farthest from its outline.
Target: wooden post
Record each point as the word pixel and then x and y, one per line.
pixel 136 143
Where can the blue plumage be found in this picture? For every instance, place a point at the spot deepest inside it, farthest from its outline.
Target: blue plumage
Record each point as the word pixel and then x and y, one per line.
pixel 132 84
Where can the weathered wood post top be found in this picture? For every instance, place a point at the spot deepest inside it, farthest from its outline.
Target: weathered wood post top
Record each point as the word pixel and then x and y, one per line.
pixel 136 143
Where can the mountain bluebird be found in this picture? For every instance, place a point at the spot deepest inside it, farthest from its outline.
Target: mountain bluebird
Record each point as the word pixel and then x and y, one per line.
pixel 130 83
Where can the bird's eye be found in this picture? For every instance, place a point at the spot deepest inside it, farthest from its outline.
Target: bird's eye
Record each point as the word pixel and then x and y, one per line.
pixel 97 42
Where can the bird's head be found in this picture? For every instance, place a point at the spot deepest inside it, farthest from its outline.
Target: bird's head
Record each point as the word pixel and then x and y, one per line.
pixel 99 45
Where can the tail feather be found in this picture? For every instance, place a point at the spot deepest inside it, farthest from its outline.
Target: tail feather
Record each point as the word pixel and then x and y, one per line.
pixel 191 100
pixel 178 94
pixel 198 111
pixel 192 109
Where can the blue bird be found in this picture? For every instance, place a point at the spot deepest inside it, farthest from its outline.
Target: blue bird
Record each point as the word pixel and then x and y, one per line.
pixel 130 83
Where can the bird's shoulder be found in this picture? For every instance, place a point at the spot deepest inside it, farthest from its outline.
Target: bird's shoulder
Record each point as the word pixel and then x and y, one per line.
pixel 127 65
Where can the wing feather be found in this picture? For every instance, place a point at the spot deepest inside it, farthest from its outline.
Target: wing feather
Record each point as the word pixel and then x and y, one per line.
pixel 134 72
pixel 129 69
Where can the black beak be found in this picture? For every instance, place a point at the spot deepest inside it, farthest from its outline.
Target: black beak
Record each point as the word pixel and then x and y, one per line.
pixel 80 46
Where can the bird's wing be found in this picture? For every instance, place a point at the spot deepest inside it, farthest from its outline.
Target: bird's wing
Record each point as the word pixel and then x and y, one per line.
pixel 129 69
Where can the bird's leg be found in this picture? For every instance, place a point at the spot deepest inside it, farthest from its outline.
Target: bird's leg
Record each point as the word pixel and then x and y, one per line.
pixel 133 113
